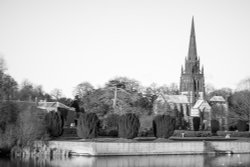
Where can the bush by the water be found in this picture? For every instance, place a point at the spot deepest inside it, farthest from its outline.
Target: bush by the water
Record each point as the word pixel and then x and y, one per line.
pixel 88 124
pixel 242 125
pixel 196 123
pixel 163 126
pixel 8 139
pixel 215 126
pixel 54 122
pixel 128 126
pixel 27 125
pixel 8 114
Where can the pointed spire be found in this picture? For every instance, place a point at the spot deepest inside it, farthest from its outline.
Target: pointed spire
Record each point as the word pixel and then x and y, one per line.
pixel 192 52
pixel 181 69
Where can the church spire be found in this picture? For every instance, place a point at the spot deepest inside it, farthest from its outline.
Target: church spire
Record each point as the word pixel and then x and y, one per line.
pixel 192 52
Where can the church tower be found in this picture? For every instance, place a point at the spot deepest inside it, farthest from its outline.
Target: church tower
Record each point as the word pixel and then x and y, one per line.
pixel 192 76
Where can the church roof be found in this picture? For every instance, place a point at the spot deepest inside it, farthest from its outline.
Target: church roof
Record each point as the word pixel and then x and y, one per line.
pixel 192 51
pixel 199 103
pixel 217 99
pixel 178 99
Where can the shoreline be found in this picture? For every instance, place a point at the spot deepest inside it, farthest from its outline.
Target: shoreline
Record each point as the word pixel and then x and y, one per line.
pixel 81 147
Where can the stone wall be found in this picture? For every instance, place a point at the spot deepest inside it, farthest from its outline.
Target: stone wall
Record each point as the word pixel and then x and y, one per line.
pixel 80 147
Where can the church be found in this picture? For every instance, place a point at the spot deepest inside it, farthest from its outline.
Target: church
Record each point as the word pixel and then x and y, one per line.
pixel 191 100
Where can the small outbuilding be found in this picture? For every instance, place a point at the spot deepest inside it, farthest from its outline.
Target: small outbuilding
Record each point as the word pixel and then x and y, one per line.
pixel 68 113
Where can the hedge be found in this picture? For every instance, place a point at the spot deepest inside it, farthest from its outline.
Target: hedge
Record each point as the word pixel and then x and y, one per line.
pixel 128 126
pixel 54 124
pixel 196 123
pixel 163 126
pixel 242 125
pixel 177 133
pixel 88 125
pixel 215 126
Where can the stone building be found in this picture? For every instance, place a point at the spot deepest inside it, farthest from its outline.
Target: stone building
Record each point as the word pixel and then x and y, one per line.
pixel 192 88
pixel 192 83
pixel 164 103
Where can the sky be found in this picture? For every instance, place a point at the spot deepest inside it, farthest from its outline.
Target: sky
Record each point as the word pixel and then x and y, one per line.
pixel 61 43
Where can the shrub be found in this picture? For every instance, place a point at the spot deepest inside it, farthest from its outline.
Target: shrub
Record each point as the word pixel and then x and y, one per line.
pixel 110 125
pixel 163 126
pixel 146 132
pixel 112 133
pixel 88 124
pixel 128 126
pixel 242 125
pixel 215 126
pixel 179 118
pixel 54 122
pixel 232 128
pixel 8 114
pixel 28 127
pixel 9 138
pixel 111 122
pixel 108 132
pixel 31 125
pixel 196 123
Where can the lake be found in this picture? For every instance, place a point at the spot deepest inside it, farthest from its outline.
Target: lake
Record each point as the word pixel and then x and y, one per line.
pixel 235 160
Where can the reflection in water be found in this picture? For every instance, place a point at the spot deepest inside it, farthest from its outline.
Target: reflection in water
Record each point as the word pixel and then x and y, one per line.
pixel 236 160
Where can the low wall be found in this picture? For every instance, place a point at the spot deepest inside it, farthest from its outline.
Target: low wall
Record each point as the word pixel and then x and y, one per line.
pixel 80 147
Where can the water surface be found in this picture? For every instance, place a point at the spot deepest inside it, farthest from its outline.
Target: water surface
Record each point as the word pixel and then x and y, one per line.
pixel 235 160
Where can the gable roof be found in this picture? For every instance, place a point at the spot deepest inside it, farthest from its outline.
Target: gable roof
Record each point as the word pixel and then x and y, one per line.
pixel 199 104
pixel 217 99
pixel 53 106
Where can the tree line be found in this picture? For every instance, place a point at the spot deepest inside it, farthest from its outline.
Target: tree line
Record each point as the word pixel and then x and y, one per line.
pixel 121 94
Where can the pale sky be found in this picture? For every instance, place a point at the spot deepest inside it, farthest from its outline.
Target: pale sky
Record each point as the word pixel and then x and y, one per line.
pixel 61 43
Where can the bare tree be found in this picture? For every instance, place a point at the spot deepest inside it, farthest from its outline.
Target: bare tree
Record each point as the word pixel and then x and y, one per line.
pixel 171 89
pixel 240 106
pixel 83 89
pixel 3 66
pixel 224 92
pixel 209 88
pixel 244 84
pixel 56 93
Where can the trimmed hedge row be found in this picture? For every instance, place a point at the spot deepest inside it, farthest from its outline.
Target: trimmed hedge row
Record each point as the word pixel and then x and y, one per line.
pixel 177 133
pixel 124 126
pixel 127 126
pixel 234 133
